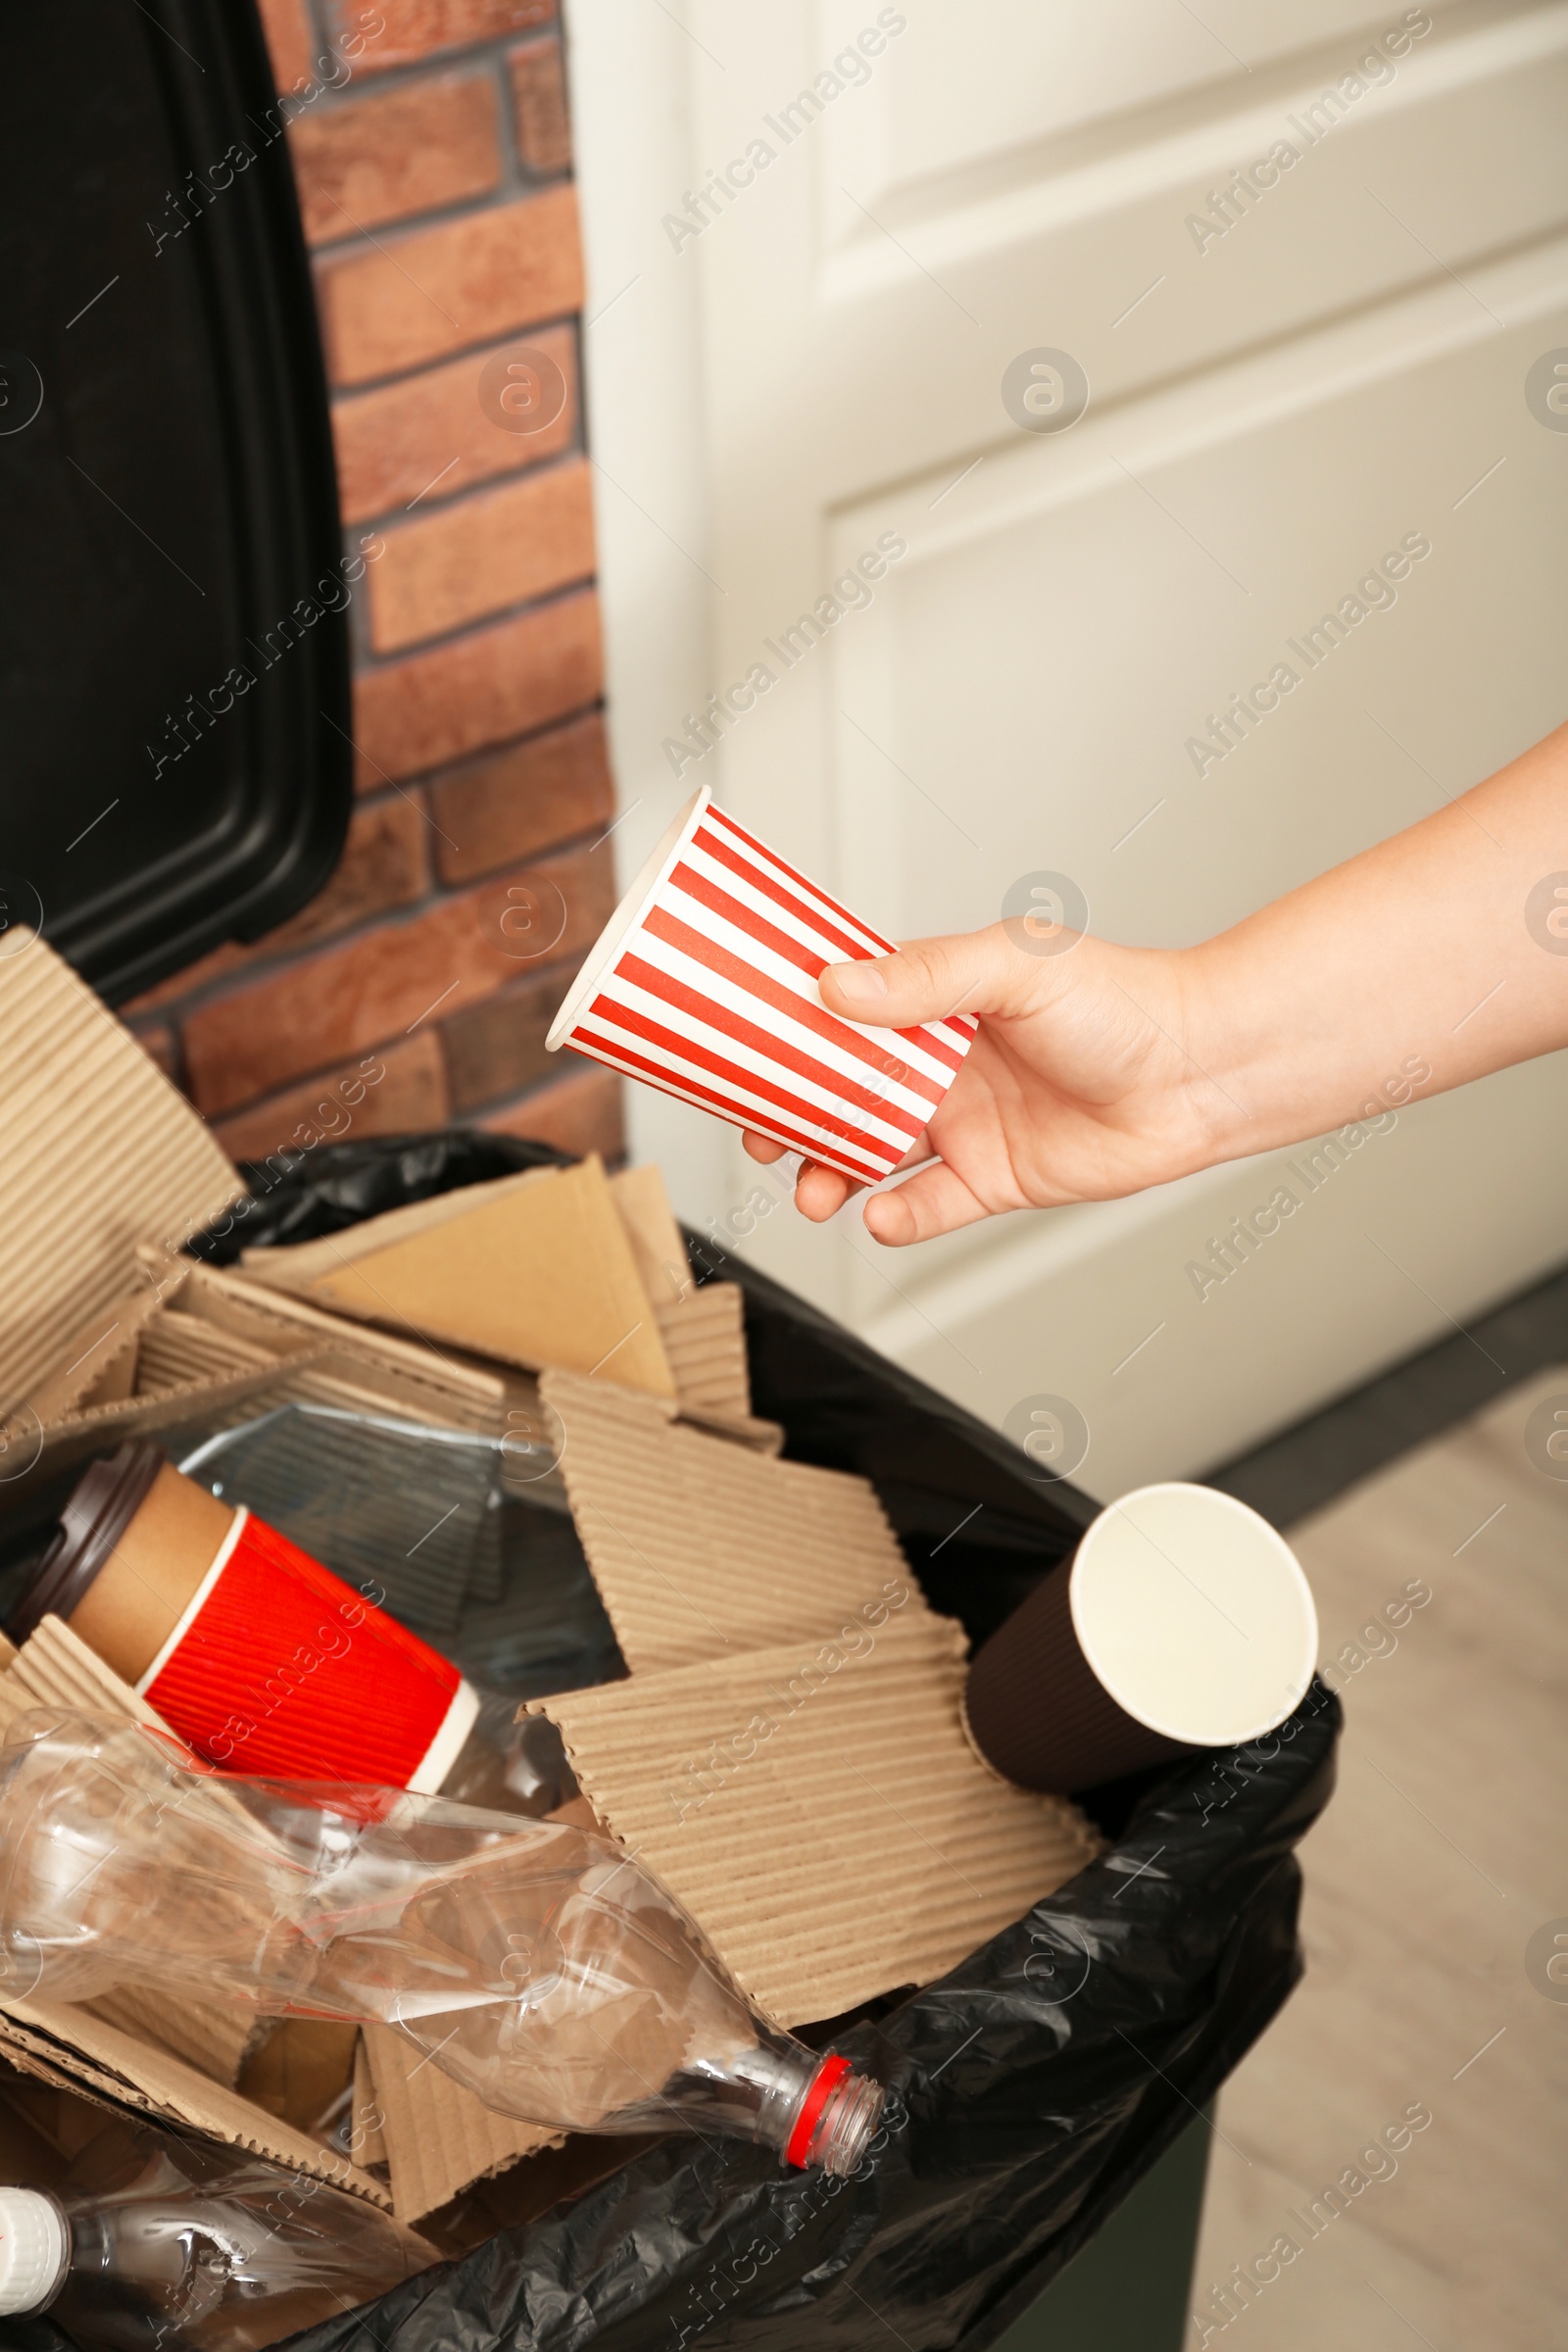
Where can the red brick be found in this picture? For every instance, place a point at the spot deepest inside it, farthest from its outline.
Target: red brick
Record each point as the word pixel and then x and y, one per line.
pixel 437 290
pixel 402 151
pixel 580 1113
pixel 539 107
pixel 393 444
pixel 417 29
pixel 385 864
pixel 495 1049
pixel 388 983
pixel 523 801
pixel 410 1095
pixel 486 687
pixel 158 1041
pixel 230 958
pixel 507 545
pixel 290 43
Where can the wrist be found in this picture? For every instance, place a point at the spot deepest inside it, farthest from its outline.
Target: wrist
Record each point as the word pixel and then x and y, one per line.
pixel 1223 1113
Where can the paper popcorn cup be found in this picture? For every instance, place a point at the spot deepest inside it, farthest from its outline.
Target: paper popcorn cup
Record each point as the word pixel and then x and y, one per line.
pixel 704 983
pixel 1183 1622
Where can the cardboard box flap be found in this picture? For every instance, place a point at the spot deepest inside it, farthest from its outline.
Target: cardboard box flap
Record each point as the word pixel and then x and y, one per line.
pixel 540 1273
pixel 69 2046
pixel 438 2137
pixel 820 1811
pixel 700 1547
pixel 101 1152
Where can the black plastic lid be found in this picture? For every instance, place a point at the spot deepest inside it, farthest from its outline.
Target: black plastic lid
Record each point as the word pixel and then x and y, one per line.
pixel 105 1500
pixel 169 499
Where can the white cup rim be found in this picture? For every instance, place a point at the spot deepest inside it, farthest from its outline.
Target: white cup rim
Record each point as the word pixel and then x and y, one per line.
pixel 629 916
pixel 1294 1632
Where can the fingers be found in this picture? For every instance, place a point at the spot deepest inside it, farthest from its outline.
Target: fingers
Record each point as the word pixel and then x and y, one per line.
pixel 932 1202
pixel 820 1193
pixel 761 1146
pixel 971 971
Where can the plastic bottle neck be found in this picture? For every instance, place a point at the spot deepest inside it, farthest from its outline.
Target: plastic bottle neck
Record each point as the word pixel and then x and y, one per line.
pixel 837 2116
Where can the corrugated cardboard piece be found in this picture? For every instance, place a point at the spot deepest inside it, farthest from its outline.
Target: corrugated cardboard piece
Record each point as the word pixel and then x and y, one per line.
pixel 702 1326
pixel 700 1547
pixel 101 1152
pixel 438 2136
pixel 71 2047
pixel 819 1810
pixel 538 1270
pixel 705 1340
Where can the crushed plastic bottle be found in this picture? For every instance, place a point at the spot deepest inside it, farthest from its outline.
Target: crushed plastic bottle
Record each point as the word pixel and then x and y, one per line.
pixel 535 1962
pixel 150 2240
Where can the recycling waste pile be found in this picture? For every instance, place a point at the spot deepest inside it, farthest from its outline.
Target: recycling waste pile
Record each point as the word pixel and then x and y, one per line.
pixel 499 1839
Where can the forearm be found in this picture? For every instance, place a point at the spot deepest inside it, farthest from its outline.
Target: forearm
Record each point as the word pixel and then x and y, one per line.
pixel 1439 949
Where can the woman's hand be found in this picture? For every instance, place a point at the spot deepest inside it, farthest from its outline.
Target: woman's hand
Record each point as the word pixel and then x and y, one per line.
pixel 1083 1083
pixel 1438 955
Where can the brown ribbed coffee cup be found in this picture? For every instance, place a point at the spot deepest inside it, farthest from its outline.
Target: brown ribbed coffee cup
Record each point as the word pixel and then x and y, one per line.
pixel 1183 1622
pixel 1039 1713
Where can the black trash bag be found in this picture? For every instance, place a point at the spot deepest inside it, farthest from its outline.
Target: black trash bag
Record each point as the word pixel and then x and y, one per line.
pixel 1035 2085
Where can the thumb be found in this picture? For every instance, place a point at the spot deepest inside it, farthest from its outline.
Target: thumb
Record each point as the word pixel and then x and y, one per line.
pixel 969 971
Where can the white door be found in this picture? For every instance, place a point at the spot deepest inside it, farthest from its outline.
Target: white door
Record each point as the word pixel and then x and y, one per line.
pixel 852 267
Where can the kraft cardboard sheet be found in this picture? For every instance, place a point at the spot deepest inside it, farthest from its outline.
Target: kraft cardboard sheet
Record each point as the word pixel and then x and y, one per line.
pixel 438 2138
pixel 818 1809
pixel 701 1325
pixel 533 1269
pixel 101 1152
pixel 701 1547
pixel 71 2047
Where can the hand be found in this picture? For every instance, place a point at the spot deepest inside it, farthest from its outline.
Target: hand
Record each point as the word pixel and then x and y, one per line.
pixel 1082 1082
pixel 1426 961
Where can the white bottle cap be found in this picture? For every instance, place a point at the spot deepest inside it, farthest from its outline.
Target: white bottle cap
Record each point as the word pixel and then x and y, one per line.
pixel 35 2248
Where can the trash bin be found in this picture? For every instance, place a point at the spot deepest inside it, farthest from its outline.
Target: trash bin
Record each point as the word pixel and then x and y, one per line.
pixel 1057 2075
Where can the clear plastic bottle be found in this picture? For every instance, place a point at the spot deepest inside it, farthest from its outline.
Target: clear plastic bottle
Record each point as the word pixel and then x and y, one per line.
pixel 535 1962
pixel 153 2241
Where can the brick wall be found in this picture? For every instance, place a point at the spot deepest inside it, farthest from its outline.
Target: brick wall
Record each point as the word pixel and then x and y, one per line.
pixel 435 185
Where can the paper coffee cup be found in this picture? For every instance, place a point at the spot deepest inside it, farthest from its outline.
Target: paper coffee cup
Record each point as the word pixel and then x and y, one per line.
pixel 704 983
pixel 260 1659
pixel 1183 1622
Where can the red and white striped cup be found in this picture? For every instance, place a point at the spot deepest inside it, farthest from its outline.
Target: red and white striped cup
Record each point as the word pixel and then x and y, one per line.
pixel 704 983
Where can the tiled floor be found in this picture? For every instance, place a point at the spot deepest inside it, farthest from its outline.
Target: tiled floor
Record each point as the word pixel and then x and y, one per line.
pixel 1444 1851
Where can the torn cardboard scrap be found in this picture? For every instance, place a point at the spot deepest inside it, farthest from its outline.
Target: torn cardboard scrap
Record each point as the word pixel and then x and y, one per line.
pixel 101 1152
pixel 819 1810
pixel 538 1270
pixel 700 1547
pixel 438 2137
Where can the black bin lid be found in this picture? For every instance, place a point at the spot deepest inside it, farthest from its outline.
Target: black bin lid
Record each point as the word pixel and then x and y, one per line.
pixel 173 655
